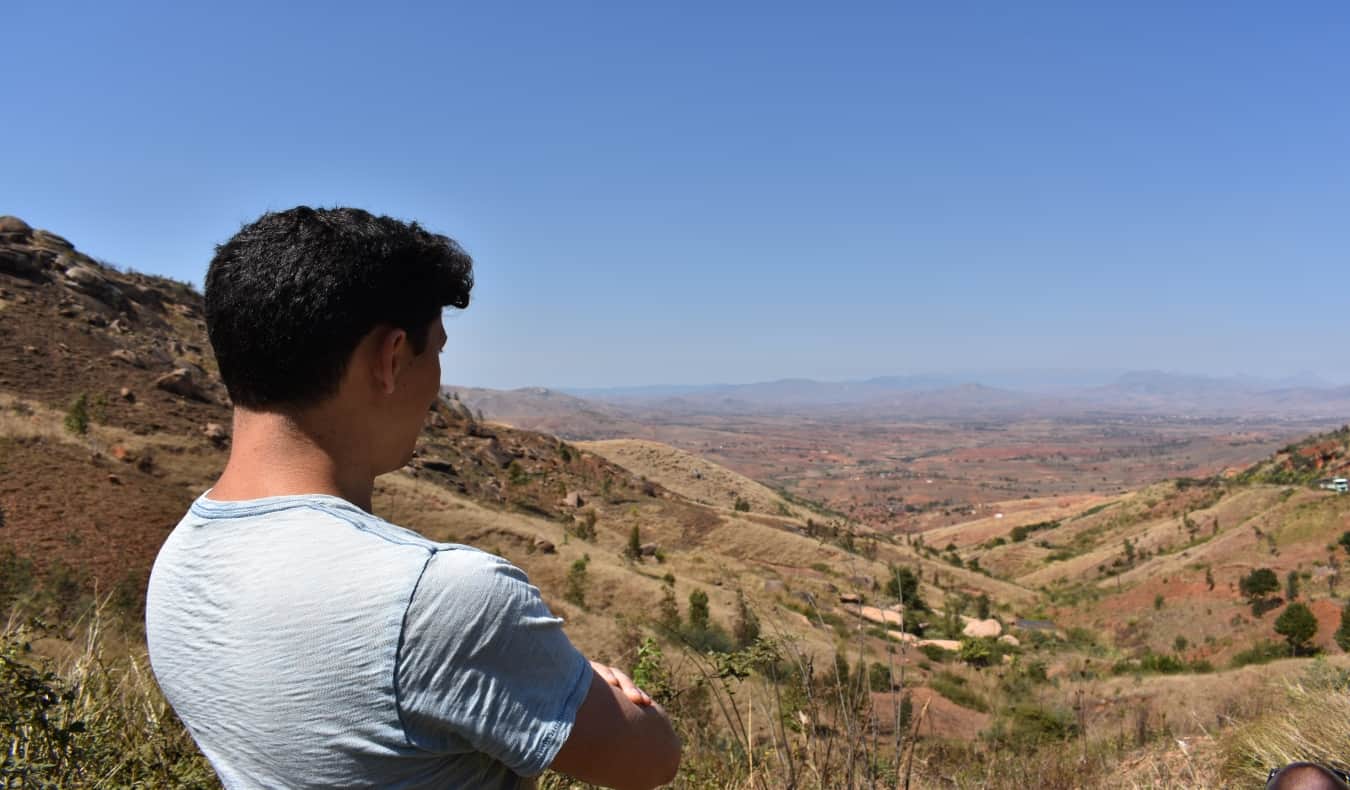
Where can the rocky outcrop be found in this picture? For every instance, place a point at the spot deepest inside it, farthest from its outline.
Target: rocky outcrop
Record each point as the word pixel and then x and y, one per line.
pixel 982 628
pixel 180 382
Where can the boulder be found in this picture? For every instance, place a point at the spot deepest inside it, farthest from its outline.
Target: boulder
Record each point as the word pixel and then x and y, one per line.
pixel 982 628
pixel 21 263
pixel 180 382
pixel 1009 639
pixel 650 549
pixel 458 409
pixel 573 499
pixel 498 454
pixel 437 465
pixel 128 356
pixel 216 433
pixel 852 598
pixel 46 240
pixel 127 395
pixel 13 229
pixel 879 616
pixel 91 282
pixel 144 295
pixel 544 546
pixel 945 644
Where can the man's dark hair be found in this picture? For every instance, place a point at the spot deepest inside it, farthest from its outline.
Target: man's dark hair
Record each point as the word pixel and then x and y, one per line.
pixel 290 296
pixel 1306 776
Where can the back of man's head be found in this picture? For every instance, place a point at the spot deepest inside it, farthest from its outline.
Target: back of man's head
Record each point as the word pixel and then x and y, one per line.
pixel 290 296
pixel 1305 776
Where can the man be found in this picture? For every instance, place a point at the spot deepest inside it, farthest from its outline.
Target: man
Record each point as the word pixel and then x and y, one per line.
pixel 305 642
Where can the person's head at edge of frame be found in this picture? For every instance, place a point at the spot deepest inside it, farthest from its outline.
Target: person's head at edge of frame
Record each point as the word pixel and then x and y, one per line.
pixel 1306 776
pixel 340 310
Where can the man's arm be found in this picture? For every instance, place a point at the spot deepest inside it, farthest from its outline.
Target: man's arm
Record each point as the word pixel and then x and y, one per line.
pixel 618 740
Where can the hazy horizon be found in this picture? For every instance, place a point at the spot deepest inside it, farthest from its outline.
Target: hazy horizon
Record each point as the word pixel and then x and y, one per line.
pixel 1027 380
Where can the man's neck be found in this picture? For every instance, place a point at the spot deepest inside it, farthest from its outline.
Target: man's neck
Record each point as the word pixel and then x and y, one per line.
pixel 278 454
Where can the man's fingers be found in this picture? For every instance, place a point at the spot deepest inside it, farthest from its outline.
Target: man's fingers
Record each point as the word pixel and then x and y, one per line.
pixel 635 695
pixel 622 682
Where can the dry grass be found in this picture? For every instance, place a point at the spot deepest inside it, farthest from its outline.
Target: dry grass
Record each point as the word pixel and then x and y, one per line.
pixel 89 714
pixel 1309 720
pixel 693 477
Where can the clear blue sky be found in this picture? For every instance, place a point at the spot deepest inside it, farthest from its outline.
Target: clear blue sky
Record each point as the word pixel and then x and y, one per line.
pixel 736 191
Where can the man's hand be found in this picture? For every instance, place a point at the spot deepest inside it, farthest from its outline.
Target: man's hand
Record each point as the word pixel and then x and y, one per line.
pixel 622 682
pixel 620 738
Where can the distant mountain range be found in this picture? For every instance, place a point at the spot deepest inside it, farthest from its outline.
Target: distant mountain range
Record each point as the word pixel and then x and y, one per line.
pixel 602 412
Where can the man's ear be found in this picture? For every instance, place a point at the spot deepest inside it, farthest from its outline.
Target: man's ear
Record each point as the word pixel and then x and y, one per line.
pixel 389 351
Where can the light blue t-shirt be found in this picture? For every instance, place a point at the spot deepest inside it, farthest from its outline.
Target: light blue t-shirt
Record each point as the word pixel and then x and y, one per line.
pixel 307 643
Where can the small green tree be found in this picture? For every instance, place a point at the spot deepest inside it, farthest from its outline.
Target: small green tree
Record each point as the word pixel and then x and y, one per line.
pixel 1298 626
pixel 77 416
pixel 1256 585
pixel 1342 635
pixel 633 550
pixel 903 585
pixel 698 610
pixel 1345 541
pixel 745 630
pixel 982 606
pixel 978 652
pixel 650 673
pixel 585 528
pixel 1291 586
pixel 668 611
pixel 879 677
pixel 576 582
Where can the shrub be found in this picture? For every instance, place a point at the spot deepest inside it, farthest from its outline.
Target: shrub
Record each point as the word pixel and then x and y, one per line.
pixel 98 723
pixel 77 416
pixel 745 629
pixel 978 652
pixel 698 610
pixel 1027 725
pixel 935 653
pixel 1298 626
pixel 668 611
pixel 1256 585
pixel 633 550
pixel 1342 635
pixel 585 529
pixel 1261 653
pixel 879 677
pixel 742 505
pixel 575 592
pixel 954 688
pixel 16 577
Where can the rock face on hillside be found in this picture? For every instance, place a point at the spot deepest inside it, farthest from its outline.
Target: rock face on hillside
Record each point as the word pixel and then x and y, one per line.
pixel 72 324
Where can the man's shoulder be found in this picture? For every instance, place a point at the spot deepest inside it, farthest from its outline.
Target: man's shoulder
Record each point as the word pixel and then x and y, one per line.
pixel 272 517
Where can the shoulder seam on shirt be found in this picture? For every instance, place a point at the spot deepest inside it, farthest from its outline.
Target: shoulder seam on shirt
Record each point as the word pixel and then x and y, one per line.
pixel 398 649
pixel 356 523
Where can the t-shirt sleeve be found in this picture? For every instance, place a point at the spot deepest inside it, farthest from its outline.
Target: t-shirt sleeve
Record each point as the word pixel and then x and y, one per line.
pixel 485 666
